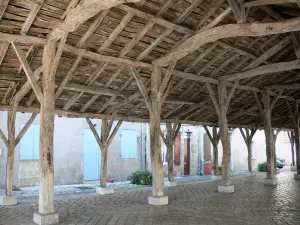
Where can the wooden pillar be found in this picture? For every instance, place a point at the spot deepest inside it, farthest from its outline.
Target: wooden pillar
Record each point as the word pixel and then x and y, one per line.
pixel 291 135
pixel 104 142
pixel 169 140
pixel 155 145
pixel 11 142
pixel 214 139
pixel 224 134
pixel 221 107
pixel 248 136
pixel 11 117
pixel 270 147
pixel 47 115
pixel 297 145
pixel 159 91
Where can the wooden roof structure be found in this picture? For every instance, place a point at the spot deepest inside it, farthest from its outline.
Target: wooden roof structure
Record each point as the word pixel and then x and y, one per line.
pixel 252 44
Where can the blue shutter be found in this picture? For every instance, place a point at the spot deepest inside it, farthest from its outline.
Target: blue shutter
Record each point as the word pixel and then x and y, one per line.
pixel 128 144
pixel 29 145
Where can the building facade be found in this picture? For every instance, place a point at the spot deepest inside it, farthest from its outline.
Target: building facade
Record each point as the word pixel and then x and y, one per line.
pixel 77 156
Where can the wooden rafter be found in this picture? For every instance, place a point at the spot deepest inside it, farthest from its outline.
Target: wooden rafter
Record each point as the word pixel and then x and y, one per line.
pixel 81 13
pixel 226 31
pixel 268 2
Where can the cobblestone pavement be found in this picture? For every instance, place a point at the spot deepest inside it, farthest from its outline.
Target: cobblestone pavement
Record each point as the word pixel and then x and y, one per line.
pixel 89 187
pixel 195 203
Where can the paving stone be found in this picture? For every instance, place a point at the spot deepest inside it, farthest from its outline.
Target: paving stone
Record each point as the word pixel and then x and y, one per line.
pixel 253 203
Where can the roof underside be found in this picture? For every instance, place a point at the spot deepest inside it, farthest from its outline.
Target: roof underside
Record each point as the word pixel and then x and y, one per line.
pixel 133 34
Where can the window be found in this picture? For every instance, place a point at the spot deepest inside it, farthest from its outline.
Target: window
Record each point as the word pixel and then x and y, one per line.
pixel 30 143
pixel 128 144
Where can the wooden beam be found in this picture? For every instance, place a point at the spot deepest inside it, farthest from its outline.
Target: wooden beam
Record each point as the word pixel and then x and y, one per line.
pixel 23 39
pixel 97 21
pixel 264 70
pixel 3 5
pixel 94 90
pixel 4 138
pixel 284 86
pixel 213 98
pixel 237 11
pixel 156 19
pixel 35 8
pixel 81 13
pixel 25 128
pixel 226 31
pixel 28 71
pixel 268 2
pixel 188 10
pixel 3 50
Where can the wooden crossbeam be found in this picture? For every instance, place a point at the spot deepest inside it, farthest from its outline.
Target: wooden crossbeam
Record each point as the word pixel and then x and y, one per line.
pixel 81 13
pixel 285 86
pixel 3 50
pixel 263 70
pixel 29 74
pixel 94 90
pixel 237 11
pixel 268 2
pixel 25 128
pixel 226 31
pixel 35 8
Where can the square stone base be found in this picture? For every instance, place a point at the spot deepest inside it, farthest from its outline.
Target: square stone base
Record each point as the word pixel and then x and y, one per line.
pixel 8 200
pixel 270 181
pixel 163 200
pixel 293 168
pixel 170 183
pixel 226 188
pixel 104 191
pixel 297 176
pixel 45 219
pixel 213 177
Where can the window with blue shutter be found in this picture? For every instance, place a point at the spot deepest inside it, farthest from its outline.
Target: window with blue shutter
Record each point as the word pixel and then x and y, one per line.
pixel 29 145
pixel 129 144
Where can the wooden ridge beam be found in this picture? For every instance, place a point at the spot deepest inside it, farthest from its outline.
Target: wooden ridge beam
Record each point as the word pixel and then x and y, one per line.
pixel 226 31
pixel 85 10
pixel 263 70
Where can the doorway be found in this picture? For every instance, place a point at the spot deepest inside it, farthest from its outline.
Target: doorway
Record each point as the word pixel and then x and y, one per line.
pixel 91 156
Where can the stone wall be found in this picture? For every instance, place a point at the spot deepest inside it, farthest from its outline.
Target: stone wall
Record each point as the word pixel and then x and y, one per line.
pixel 29 173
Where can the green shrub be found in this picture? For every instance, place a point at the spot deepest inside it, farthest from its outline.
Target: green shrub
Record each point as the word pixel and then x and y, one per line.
pixel 262 167
pixel 142 177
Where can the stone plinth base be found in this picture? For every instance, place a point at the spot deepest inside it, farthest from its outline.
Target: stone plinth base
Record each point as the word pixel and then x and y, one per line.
pixel 270 181
pixel 297 176
pixel 170 183
pixel 293 168
pixel 213 177
pixel 45 219
pixel 226 188
pixel 8 200
pixel 104 191
pixel 163 200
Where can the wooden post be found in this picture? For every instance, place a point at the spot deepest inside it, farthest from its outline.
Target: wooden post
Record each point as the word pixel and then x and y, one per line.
pixel 291 135
pixel 47 115
pixel 214 139
pixel 104 142
pixel 221 107
pixel 11 117
pixel 224 134
pixel 248 136
pixel 270 150
pixel 169 140
pixel 11 142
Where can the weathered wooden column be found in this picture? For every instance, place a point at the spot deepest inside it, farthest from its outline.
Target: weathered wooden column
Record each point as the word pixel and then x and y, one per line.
pixel 11 142
pixel 248 136
pixel 104 142
pixel 46 214
pixel 221 105
pixel 291 135
pixel 159 92
pixel 169 140
pixel 295 115
pixel 214 139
